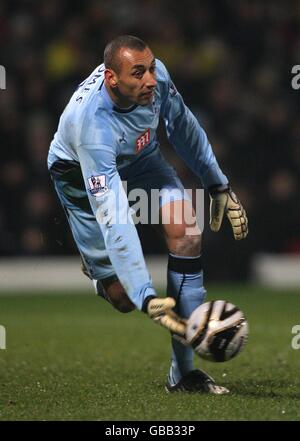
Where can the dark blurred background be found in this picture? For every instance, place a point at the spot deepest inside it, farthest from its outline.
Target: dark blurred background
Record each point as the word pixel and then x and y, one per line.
pixel 231 60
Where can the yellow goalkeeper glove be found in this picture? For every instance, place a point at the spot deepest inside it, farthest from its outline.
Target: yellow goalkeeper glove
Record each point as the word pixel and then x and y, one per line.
pixel 223 200
pixel 160 310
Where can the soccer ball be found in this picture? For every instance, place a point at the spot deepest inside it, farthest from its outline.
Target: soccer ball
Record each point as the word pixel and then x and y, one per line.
pixel 217 330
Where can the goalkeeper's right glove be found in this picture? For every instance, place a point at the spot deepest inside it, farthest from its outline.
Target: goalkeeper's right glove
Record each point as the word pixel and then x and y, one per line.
pixel 160 310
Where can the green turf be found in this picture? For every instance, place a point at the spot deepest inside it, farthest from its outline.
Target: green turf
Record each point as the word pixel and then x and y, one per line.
pixel 75 358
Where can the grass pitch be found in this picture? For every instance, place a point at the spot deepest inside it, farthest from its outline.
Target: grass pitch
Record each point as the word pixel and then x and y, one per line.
pixel 75 358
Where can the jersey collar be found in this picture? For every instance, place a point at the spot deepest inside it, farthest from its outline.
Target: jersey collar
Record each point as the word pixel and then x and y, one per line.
pixel 110 102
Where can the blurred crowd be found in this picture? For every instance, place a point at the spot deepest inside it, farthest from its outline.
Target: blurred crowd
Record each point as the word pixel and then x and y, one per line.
pixel 231 60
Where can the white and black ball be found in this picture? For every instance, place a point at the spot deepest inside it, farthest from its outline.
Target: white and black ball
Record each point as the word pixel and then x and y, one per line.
pixel 217 330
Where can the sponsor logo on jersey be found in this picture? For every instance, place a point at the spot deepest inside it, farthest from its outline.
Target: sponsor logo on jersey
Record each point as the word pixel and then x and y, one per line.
pixel 142 141
pixel 97 185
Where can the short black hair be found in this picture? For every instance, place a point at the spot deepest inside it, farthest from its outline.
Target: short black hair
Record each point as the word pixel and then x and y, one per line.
pixel 111 51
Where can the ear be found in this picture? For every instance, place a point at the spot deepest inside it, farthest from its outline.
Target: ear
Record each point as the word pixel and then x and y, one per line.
pixel 111 77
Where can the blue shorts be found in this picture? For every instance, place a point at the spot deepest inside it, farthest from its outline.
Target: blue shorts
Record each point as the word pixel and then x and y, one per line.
pixel 153 172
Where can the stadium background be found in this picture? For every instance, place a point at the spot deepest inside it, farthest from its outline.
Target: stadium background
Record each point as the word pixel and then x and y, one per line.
pixel 231 62
pixel 73 357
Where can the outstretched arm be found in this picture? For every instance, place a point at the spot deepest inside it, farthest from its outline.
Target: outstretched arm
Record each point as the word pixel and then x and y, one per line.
pixel 191 143
pixel 110 206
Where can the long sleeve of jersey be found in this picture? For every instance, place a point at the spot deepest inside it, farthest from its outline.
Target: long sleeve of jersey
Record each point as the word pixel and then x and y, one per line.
pixel 110 206
pixel 188 137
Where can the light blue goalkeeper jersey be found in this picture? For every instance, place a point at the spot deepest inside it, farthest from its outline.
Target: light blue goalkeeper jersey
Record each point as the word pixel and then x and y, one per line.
pixel 104 138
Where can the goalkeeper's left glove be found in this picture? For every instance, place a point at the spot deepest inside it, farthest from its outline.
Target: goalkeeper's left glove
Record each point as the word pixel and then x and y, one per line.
pixel 223 200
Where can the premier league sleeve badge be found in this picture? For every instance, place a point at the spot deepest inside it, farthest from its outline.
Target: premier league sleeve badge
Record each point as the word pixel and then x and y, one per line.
pixel 97 185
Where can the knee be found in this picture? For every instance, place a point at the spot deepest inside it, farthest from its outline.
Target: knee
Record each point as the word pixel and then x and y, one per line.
pixel 193 243
pixel 123 305
pixel 186 245
pixel 118 297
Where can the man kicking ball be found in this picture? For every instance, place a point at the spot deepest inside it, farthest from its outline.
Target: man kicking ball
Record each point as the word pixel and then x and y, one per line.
pixel 107 134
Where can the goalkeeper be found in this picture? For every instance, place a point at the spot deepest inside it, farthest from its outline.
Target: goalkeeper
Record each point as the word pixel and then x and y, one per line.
pixel 107 134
